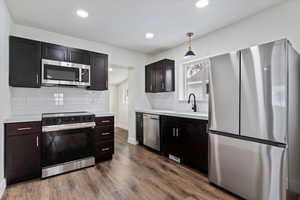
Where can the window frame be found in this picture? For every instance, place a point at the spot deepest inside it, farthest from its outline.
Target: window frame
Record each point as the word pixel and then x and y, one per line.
pixel 182 79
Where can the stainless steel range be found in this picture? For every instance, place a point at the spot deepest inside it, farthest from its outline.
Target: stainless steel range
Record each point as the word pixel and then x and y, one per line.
pixel 67 142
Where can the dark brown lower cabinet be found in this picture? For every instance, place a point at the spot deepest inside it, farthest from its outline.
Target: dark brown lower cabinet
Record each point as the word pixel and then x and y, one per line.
pixel 187 140
pixel 195 140
pixel 22 152
pixel 172 141
pixel 139 128
pixel 104 147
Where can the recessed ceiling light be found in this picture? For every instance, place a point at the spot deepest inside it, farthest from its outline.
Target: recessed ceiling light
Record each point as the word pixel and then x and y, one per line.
pixel 110 69
pixel 82 13
pixel 201 3
pixel 149 35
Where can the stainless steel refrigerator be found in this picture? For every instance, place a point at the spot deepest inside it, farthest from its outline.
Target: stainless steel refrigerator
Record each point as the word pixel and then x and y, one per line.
pixel 254 121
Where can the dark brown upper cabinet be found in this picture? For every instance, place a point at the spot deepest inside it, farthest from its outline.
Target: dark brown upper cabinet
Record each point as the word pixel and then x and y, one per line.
pixel 99 71
pixel 79 56
pixel 55 52
pixel 24 62
pixel 160 76
pixel 25 58
pixel 61 53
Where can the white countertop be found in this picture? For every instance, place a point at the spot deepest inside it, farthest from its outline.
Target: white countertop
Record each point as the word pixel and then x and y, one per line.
pixel 38 117
pixel 104 114
pixel 23 118
pixel 192 115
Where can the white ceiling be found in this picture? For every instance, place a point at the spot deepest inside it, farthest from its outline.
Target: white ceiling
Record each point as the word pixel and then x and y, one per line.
pixel 124 22
pixel 117 75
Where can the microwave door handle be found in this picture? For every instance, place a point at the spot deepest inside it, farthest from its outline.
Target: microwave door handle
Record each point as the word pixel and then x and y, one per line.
pixel 80 75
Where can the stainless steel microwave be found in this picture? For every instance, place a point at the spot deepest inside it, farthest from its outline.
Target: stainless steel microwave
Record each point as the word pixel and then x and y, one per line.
pixel 65 73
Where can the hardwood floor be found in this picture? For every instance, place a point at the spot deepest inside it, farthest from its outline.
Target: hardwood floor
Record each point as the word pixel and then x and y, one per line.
pixel 134 173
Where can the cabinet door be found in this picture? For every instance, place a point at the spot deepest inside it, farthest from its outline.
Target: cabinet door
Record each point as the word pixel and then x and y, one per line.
pixel 24 63
pixel 99 71
pixel 148 79
pixel 171 138
pixel 195 143
pixel 22 158
pixel 159 77
pixel 169 76
pixel 139 128
pixel 55 52
pixel 79 56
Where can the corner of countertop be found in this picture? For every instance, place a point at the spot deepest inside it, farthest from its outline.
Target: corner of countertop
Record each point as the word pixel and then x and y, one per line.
pixel 104 114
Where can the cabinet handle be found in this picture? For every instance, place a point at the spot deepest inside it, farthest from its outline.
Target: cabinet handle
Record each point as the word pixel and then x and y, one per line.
pixel 24 129
pixel 105 121
pixel 207 128
pixel 37 141
pixel 106 134
pixel 37 79
pixel 207 88
pixel 105 149
pixel 177 132
pixel 151 87
pixel 173 132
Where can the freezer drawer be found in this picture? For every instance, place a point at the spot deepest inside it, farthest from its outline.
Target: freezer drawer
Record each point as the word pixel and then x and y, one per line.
pixel 250 170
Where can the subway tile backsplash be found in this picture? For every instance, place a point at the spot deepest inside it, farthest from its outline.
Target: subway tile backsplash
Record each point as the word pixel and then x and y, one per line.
pixel 57 99
pixel 169 101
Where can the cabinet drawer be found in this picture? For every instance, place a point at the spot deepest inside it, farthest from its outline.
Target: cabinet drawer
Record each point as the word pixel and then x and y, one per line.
pixel 105 121
pixel 104 133
pixel 23 128
pixel 104 149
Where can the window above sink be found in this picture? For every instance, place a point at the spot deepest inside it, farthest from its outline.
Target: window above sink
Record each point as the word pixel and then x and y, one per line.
pixel 194 78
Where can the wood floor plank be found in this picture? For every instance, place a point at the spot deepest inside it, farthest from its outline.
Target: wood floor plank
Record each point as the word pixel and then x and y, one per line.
pixel 134 173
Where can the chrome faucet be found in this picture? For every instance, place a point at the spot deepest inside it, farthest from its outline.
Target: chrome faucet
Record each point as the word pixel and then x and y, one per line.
pixel 194 108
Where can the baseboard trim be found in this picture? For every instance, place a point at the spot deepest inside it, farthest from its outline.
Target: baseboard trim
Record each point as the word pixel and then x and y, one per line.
pixel 2 187
pixel 132 141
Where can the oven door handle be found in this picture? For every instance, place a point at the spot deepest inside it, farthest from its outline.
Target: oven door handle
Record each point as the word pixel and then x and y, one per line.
pixel 63 127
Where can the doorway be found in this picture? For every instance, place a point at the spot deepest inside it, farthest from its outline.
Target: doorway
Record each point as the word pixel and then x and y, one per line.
pixel 118 95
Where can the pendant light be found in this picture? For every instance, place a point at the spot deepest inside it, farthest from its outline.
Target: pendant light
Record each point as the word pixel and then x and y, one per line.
pixel 190 53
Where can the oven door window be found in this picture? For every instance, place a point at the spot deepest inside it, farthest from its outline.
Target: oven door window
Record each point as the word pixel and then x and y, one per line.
pixel 65 146
pixel 60 73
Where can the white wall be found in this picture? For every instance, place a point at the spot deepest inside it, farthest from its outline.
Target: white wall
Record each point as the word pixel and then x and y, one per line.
pixel 5 23
pixel 122 115
pixel 275 23
pixel 117 56
pixel 113 100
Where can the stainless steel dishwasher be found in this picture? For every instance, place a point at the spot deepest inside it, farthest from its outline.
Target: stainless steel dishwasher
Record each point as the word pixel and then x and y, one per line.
pixel 151 131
